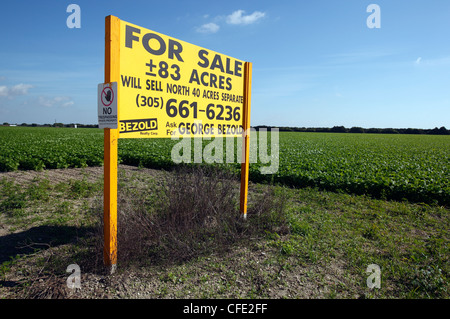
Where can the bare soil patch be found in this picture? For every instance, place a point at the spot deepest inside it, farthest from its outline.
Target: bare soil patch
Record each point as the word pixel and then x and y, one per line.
pixel 256 270
pixel 92 174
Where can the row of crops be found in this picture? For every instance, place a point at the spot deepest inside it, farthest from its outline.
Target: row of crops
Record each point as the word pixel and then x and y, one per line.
pixel 413 167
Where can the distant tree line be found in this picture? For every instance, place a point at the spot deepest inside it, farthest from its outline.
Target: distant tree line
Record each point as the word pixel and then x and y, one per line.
pixel 78 125
pixel 335 129
pixel 355 129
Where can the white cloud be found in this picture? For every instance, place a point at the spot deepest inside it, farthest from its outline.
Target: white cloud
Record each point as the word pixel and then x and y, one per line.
pixel 57 101
pixel 20 89
pixel 16 90
pixel 3 91
pixel 238 17
pixel 434 62
pixel 208 28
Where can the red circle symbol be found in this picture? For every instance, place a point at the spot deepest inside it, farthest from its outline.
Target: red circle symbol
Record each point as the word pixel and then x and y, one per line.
pixel 107 96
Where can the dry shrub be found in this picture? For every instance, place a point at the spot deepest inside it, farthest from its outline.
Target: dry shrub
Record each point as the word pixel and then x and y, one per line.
pixel 268 214
pixel 192 211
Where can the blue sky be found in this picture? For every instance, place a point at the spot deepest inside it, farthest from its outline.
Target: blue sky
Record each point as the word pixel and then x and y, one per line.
pixel 315 63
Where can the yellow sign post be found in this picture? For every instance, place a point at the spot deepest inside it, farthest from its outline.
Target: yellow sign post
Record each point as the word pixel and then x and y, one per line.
pixel 111 137
pixel 246 137
pixel 169 88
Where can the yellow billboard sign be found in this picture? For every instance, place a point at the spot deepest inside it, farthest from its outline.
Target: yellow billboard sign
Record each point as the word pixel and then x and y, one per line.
pixel 166 88
pixel 169 87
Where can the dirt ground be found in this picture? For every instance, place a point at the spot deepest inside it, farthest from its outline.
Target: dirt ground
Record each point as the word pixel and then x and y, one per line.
pixel 62 175
pixel 243 272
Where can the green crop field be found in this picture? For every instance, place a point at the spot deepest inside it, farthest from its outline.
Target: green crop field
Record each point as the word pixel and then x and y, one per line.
pixel 415 167
pixel 412 167
pixel 307 236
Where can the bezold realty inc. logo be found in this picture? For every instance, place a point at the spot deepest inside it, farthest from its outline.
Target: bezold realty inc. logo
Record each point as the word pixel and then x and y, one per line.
pixel 140 125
